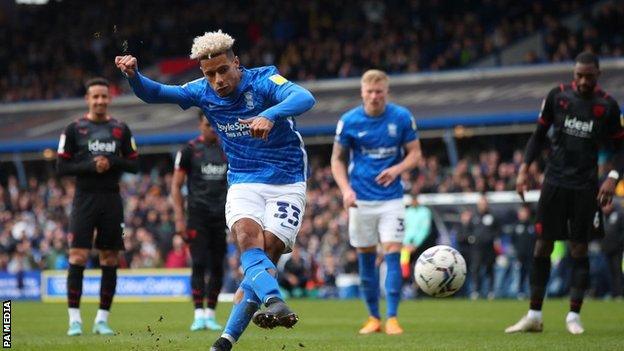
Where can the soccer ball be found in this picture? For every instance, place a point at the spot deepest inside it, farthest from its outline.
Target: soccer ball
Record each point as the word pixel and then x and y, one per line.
pixel 440 271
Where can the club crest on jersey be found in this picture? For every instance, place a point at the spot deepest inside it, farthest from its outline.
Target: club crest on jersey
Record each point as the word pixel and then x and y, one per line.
pixel 599 110
pixel 101 146
pixel 117 132
pixel 392 129
pixel 249 103
pixel 564 103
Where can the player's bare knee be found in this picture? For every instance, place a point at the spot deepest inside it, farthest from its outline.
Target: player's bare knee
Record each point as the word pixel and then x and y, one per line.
pixel 392 247
pixel 370 249
pixel 78 257
pixel 248 240
pixel 248 234
pixel 110 262
pixel 78 260
pixel 109 258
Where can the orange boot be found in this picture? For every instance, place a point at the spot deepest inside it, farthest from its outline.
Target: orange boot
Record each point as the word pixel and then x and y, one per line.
pixel 393 327
pixel 372 325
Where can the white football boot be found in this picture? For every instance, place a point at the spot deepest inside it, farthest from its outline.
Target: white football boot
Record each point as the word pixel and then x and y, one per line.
pixel 573 323
pixel 526 324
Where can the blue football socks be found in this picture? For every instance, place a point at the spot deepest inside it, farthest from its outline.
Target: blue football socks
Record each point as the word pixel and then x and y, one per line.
pixel 393 283
pixel 241 314
pixel 257 268
pixel 369 282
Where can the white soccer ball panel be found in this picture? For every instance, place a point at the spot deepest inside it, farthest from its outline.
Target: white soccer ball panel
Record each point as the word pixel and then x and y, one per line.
pixel 440 271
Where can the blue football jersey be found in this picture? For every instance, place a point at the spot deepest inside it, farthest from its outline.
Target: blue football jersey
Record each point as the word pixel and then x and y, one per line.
pixel 376 143
pixel 281 159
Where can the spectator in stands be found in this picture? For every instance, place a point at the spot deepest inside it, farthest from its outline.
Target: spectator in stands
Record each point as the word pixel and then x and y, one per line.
pixel 328 275
pixel 464 239
pixel 148 253
pixel 416 36
pixel 294 275
pixel 482 253
pixel 613 246
pixel 178 257
pixel 23 259
pixel 523 240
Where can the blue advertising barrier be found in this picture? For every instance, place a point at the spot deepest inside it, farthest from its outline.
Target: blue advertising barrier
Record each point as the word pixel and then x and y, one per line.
pixel 20 286
pixel 132 285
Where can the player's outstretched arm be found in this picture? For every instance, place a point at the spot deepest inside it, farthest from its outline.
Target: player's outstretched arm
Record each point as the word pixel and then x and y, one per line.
pixel 127 64
pixel 339 164
pixel 148 90
pixel 293 100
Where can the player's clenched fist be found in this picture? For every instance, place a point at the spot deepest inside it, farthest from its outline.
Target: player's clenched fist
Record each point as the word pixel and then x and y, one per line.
pixel 259 127
pixel 348 199
pixel 102 164
pixel 127 64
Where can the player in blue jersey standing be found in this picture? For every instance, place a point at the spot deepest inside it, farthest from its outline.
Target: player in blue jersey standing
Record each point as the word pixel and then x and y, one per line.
pixel 381 141
pixel 253 112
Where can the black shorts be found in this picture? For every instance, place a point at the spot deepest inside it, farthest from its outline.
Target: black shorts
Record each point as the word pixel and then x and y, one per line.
pixel 99 215
pixel 207 239
pixel 568 214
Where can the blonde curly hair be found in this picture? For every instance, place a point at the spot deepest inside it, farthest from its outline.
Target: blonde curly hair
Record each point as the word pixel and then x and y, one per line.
pixel 211 44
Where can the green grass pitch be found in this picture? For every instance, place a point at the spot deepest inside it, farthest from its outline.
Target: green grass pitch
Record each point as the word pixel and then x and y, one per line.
pixel 430 324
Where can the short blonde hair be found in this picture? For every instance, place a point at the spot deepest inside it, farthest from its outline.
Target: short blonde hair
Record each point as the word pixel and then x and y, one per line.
pixel 375 76
pixel 211 44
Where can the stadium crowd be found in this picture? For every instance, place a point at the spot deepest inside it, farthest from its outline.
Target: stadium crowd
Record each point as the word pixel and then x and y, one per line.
pixel 306 40
pixel 596 32
pixel 34 219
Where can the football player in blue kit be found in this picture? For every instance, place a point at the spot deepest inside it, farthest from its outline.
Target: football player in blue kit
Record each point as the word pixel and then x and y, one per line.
pixel 253 112
pixel 381 141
